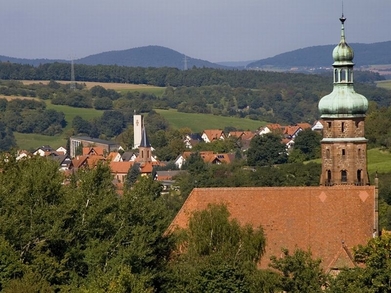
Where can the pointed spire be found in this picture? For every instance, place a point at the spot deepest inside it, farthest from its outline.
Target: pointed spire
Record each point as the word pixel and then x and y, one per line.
pixel 342 19
pixel 144 139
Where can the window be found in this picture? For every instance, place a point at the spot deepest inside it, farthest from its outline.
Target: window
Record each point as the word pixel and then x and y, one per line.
pixel 344 176
pixel 359 176
pixel 343 75
pixel 328 177
pixel 327 154
pixel 329 125
pixel 343 126
pixel 335 75
pixel 343 152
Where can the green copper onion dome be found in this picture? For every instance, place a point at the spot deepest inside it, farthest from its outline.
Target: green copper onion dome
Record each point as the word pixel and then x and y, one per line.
pixel 343 101
pixel 342 53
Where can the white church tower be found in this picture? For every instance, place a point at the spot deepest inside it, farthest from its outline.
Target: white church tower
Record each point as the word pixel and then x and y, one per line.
pixel 138 125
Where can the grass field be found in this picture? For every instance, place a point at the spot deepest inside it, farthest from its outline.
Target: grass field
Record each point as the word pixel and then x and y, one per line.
pixel 199 122
pixel 31 141
pixel 120 87
pixel 379 160
pixel 384 84
pixel 71 112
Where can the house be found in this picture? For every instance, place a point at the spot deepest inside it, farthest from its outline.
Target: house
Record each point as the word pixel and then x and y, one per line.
pixel 43 151
pixel 192 139
pixel 90 161
pixel 329 221
pixel 64 161
pixel 181 159
pixel 120 170
pixel 167 178
pixel 84 141
pixel 274 128
pixel 317 126
pixel 244 138
pixel 61 150
pixel 210 135
pixel 208 157
pixel 129 156
pixel 94 151
pixel 114 157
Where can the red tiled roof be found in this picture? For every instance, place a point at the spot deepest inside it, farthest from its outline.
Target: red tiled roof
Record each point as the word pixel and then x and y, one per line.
pixel 291 130
pixel 322 219
pixel 275 127
pixel 213 134
pixel 99 151
pixel 304 125
pixel 120 167
pixel 146 168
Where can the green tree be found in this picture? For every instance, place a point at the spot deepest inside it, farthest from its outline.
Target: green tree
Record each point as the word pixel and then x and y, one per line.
pixel 7 139
pixel 306 147
pixel 299 272
pixel 375 273
pixel 218 255
pixel 266 150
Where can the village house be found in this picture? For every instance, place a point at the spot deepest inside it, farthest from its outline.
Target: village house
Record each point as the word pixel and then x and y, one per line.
pixel 209 135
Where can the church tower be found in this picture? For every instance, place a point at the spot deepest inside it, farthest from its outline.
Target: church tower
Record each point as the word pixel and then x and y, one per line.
pixel 344 147
pixel 145 149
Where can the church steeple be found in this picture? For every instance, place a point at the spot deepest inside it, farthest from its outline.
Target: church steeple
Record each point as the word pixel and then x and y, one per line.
pixel 343 113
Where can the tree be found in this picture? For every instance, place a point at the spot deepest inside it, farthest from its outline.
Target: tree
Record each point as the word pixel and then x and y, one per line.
pixel 306 147
pixel 133 174
pixel 218 255
pixel 7 139
pixel 266 150
pixel 299 272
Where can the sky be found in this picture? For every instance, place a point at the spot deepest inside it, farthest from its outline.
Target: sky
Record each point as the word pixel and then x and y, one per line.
pixel 213 30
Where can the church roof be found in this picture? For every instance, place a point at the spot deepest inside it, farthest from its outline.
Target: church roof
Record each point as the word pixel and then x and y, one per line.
pixel 326 220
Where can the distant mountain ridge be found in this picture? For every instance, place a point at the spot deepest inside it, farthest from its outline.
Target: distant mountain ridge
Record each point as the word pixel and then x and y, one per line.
pixel 158 56
pixel 148 56
pixel 321 56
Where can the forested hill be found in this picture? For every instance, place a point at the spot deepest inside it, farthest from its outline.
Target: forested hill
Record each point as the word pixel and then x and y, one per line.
pixel 320 56
pixel 149 56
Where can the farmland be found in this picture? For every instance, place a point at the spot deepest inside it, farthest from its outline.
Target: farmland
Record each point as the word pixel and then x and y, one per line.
pixel 198 122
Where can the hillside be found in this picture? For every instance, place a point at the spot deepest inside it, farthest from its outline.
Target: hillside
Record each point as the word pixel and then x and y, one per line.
pixel 149 56
pixel 320 56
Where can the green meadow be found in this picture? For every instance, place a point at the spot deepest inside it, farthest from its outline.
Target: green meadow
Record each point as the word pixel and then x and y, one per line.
pixel 72 112
pixel 198 122
pixel 384 84
pixel 157 91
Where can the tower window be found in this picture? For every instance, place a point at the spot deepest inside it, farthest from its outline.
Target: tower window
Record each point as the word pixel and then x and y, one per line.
pixel 328 177
pixel 343 152
pixel 343 127
pixel 329 124
pixel 344 176
pixel 327 154
pixel 343 75
pixel 335 75
pixel 359 176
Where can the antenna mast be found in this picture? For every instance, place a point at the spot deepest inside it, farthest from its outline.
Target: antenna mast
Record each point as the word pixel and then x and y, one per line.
pixel 185 63
pixel 73 83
